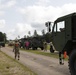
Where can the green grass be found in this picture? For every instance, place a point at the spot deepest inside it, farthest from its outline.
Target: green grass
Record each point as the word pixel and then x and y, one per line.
pixel 55 55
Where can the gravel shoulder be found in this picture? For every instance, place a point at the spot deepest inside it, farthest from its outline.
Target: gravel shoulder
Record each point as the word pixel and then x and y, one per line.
pixel 41 65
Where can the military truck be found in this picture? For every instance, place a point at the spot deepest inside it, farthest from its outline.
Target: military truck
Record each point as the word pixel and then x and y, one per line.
pixel 2 39
pixel 64 39
pixel 36 42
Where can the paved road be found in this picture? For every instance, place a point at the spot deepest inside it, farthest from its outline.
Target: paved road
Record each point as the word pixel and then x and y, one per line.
pixel 42 65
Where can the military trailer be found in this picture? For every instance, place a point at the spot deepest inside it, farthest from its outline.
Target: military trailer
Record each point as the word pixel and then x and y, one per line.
pixel 64 39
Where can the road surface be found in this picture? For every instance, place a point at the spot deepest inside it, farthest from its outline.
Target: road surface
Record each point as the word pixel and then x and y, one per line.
pixel 41 65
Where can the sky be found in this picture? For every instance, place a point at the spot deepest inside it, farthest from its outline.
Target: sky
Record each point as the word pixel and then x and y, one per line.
pixel 18 17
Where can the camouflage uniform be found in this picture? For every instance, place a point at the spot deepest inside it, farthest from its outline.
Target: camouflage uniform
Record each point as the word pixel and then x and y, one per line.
pixel 16 50
pixel 45 46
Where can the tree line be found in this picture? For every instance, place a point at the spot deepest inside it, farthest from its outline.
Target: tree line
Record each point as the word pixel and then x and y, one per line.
pixel 44 36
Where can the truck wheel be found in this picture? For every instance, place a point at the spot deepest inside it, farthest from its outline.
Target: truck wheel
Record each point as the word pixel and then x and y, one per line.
pixel 51 49
pixel 72 62
pixel 3 45
pixel 36 48
pixel 42 48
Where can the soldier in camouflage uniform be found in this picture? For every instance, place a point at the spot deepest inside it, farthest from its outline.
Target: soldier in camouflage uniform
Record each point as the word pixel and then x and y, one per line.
pixel 16 49
pixel 45 46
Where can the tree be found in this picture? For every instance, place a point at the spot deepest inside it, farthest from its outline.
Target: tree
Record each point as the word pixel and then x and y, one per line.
pixel 24 36
pixel 43 32
pixel 18 36
pixel 29 32
pixel 35 33
pixel 27 36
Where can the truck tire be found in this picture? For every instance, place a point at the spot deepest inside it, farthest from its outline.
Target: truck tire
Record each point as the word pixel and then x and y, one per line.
pixel 72 62
pixel 35 48
pixel 42 48
pixel 51 49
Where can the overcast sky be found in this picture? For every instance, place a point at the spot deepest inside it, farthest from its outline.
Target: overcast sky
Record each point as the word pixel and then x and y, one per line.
pixel 17 17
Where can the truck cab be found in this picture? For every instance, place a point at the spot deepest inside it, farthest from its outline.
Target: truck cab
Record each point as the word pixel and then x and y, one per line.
pixel 64 39
pixel 64 33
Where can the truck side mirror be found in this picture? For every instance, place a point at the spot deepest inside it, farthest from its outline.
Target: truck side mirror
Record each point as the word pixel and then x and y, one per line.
pixel 49 29
pixel 47 24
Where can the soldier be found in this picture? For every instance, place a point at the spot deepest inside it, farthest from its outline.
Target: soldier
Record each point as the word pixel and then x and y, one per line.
pixel 27 44
pixel 45 46
pixel 16 49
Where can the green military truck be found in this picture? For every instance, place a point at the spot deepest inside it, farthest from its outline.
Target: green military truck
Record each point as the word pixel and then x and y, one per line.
pixel 2 40
pixel 36 42
pixel 63 37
